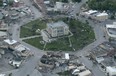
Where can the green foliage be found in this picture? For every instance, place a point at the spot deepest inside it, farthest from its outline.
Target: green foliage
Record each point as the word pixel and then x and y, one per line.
pixel 30 28
pixel 77 1
pixel 35 42
pixel 102 5
pixel 10 74
pixel 1 2
pixel 65 1
pixel 112 17
pixel 60 44
pixel 82 36
pixel 10 2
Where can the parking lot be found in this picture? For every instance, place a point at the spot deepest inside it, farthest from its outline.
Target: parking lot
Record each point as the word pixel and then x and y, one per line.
pixel 4 66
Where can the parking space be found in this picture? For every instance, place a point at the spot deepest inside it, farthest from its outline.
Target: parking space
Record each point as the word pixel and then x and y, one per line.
pixel 4 66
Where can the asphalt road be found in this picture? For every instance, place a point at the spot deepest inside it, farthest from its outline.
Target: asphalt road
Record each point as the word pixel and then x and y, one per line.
pixel 99 34
pixel 30 64
pixel 93 67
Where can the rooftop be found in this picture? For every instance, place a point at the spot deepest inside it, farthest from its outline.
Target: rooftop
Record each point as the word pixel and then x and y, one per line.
pixel 91 12
pixel 57 24
pixel 16 0
pixel 20 48
pixel 111 29
pixel 10 42
pixel 112 69
pixel 102 14
pixel 2 33
pixel 108 61
pixel 102 49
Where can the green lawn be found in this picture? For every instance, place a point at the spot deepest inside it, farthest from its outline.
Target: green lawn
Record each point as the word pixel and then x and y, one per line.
pixel 30 28
pixel 60 44
pixel 82 36
pixel 35 42
pixel 25 32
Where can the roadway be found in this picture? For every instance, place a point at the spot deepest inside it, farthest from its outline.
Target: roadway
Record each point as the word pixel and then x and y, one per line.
pixel 99 35
pixel 30 64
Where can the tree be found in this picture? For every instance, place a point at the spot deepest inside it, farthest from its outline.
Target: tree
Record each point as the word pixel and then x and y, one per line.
pixel 112 17
pixel 102 5
pixel 28 75
pixel 1 2
pixel 10 2
pixel 77 1
pixel 65 1
pixel 10 74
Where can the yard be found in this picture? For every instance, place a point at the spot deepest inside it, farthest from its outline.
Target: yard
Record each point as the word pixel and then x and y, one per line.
pixel 82 36
pixel 35 42
pixel 60 44
pixel 30 28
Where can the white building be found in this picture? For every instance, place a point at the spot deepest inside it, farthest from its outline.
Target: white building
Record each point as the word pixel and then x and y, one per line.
pixel 93 14
pixel 101 16
pixel 88 13
pixel 111 71
pixel 63 7
pixel 10 42
pixel 2 74
pixel 111 30
pixel 85 73
pixel 18 48
pixel 55 30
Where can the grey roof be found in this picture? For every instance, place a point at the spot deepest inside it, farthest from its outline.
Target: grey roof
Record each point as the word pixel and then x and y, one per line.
pixel 14 14
pixel 57 24
pixel 102 49
pixel 112 30
pixel 108 61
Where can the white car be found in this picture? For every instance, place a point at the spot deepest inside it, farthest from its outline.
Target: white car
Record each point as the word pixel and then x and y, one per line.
pixel 2 74
pixel 15 63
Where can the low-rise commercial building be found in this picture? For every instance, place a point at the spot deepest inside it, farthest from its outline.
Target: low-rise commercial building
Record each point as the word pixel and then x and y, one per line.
pixel 111 30
pixel 13 14
pixel 101 16
pixel 95 15
pixel 104 49
pixel 18 49
pixel 111 71
pixel 104 55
